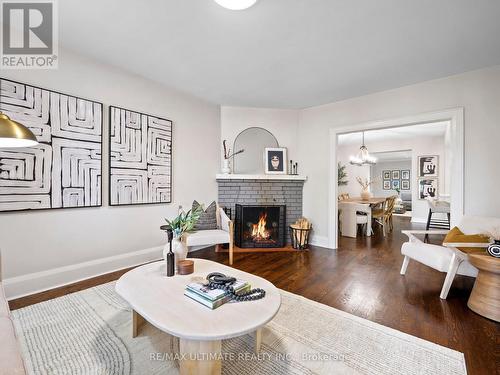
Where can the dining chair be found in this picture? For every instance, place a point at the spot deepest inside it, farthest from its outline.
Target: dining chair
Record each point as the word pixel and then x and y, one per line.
pixel 437 206
pixel 354 214
pixel 383 215
pixel 364 217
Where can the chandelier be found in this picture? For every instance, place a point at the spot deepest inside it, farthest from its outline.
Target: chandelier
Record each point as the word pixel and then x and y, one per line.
pixel 363 157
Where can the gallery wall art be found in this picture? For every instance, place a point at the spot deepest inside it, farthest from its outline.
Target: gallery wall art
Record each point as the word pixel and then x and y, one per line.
pixel 394 179
pixel 140 158
pixel 64 170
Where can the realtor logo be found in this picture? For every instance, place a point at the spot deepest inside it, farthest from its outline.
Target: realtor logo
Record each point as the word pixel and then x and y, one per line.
pixel 29 34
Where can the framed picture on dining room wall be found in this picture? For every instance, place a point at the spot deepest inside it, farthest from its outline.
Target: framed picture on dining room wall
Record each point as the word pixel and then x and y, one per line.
pixel 428 166
pixel 387 185
pixel 405 185
pixel 427 188
pixel 395 175
pixel 386 175
pixel 275 160
pixel 405 174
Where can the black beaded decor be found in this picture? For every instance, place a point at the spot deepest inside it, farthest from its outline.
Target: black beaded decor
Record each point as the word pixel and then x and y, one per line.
pixel 251 295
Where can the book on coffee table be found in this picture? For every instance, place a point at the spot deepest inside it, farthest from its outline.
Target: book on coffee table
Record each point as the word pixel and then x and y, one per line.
pixel 213 298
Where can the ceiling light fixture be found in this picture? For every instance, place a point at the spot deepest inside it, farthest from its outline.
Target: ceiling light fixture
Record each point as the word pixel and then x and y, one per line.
pixel 363 157
pixel 236 4
pixel 13 134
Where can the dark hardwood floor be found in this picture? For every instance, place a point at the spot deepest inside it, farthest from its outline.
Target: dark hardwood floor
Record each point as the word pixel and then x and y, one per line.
pixel 362 278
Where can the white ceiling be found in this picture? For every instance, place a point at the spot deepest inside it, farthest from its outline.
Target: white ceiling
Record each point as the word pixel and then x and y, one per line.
pixel 285 53
pixel 435 129
pixel 392 156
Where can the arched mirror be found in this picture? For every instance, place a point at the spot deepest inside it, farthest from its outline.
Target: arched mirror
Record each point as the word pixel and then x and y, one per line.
pixel 253 140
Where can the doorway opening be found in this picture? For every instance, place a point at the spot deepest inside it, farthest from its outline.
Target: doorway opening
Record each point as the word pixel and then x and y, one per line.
pixel 418 159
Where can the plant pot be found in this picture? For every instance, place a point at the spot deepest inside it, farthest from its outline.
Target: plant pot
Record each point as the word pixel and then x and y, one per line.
pixel 226 169
pixel 365 194
pixel 179 248
pixel 494 249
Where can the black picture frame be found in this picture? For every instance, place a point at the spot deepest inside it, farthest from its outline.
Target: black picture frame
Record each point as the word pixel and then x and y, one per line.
pixel 428 166
pixel 424 186
pixel 101 129
pixel 110 161
pixel 275 160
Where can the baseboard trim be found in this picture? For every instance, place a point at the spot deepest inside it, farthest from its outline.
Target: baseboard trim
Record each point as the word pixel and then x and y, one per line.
pixel 20 286
pixel 321 241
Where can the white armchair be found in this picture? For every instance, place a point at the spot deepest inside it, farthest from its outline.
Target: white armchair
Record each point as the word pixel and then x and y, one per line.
pixel 223 234
pixel 447 258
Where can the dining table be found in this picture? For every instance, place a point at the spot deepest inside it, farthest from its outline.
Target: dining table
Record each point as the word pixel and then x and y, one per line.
pixel 371 201
pixel 350 208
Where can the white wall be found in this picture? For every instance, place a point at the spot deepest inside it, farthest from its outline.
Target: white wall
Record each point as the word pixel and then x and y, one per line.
pixel 478 92
pixel 38 241
pixel 282 123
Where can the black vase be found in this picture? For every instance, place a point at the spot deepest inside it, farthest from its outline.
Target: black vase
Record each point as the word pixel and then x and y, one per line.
pixel 170 255
pixel 170 262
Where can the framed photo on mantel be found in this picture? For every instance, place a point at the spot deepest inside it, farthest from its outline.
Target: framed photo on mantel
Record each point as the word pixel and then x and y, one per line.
pixel 275 161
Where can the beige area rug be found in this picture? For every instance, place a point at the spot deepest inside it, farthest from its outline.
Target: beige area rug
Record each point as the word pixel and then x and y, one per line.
pixel 89 332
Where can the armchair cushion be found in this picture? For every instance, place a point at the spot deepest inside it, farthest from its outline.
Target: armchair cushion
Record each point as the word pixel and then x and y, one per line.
pixel 456 235
pixel 434 256
pixel 208 218
pixel 207 237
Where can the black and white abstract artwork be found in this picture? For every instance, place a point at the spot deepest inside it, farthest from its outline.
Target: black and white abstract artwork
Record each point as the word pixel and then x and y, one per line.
pixel 428 166
pixel 140 158
pixel 64 170
pixel 427 188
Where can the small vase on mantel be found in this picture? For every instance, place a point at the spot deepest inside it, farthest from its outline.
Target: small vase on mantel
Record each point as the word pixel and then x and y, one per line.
pixel 226 169
pixel 366 194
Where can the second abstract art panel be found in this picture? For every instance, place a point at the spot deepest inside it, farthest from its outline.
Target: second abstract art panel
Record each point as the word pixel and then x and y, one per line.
pixel 140 158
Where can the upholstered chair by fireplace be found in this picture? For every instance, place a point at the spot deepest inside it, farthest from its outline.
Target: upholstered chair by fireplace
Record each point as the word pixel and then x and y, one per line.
pixel 222 233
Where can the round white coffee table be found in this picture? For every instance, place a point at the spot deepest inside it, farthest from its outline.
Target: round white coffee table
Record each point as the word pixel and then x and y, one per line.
pixel 160 301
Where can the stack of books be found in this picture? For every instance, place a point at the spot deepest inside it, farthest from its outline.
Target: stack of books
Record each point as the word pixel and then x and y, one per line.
pixel 213 298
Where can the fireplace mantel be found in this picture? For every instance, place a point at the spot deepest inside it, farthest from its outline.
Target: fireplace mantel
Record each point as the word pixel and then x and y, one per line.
pixel 274 177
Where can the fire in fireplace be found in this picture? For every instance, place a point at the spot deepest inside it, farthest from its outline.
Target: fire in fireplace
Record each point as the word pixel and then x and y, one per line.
pixel 260 226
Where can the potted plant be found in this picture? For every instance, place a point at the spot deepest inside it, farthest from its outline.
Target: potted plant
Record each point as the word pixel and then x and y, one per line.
pixel 365 187
pixel 342 175
pixel 183 223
